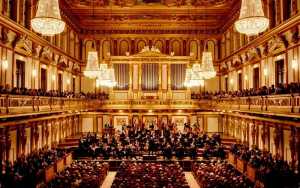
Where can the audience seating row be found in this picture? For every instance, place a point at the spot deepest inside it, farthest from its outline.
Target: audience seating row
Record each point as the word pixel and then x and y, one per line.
pixel 219 174
pixel 263 168
pixel 34 169
pixel 154 175
pixel 80 174
pixel 290 88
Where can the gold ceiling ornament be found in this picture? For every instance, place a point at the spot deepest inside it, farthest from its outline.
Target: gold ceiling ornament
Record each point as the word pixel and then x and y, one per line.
pixel 252 20
pixel 92 68
pixel 47 20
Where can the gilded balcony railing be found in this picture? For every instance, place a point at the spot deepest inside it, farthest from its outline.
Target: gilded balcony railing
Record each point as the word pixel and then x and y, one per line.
pixel 18 104
pixel 272 103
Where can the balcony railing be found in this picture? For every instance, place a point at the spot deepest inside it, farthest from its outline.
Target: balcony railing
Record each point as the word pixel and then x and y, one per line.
pixel 271 103
pixel 18 104
pixel 153 104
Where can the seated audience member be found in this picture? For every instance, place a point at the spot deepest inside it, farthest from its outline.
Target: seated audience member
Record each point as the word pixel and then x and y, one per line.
pixel 27 172
pixel 219 174
pixel 81 174
pixel 272 171
pixel 154 175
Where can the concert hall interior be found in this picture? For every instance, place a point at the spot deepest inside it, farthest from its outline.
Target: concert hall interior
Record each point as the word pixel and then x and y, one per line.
pixel 150 93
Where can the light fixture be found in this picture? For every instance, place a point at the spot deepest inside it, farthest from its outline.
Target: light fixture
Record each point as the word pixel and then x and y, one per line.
pixel 231 81
pixel 294 64
pixel 107 77
pixel 5 64
pixel 252 20
pixel 53 77
pixel 68 81
pixel 266 72
pixel 193 76
pixel 34 73
pixel 207 68
pixel 246 77
pixel 47 20
pixel 92 68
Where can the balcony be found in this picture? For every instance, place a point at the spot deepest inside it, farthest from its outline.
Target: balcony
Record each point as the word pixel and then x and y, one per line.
pixel 19 104
pixel 156 104
pixel 271 103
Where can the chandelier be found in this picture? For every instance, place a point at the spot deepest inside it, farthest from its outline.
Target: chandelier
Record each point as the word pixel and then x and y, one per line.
pixel 194 76
pixel 252 20
pixel 106 76
pixel 92 68
pixel 47 20
pixel 207 69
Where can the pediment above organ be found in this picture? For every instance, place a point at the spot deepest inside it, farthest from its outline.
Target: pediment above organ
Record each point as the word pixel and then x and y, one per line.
pixel 150 52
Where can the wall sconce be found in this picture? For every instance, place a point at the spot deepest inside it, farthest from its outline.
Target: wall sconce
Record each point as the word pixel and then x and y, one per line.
pixel 231 81
pixel 266 72
pixel 68 81
pixel 246 77
pixel 294 64
pixel 34 73
pixel 53 77
pixel 5 64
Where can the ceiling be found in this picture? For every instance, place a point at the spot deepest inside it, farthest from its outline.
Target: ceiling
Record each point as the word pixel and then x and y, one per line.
pixel 167 16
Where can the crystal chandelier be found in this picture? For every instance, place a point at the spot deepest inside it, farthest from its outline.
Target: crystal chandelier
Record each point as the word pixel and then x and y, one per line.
pixel 106 76
pixel 252 20
pixel 208 70
pixel 194 76
pixel 48 20
pixel 92 69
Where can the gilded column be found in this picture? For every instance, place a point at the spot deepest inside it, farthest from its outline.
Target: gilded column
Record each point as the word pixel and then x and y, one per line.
pixel 130 81
pixel 169 82
pixel 278 140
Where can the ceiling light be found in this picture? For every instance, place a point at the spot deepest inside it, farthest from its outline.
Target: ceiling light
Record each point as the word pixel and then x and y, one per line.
pixel 252 20
pixel 47 20
pixel 208 69
pixel 92 68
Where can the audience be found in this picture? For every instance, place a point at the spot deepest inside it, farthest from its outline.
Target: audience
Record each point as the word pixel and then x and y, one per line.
pixel 135 142
pixel 81 174
pixel 291 88
pixel 219 174
pixel 51 93
pixel 27 172
pixel 272 171
pixel 154 175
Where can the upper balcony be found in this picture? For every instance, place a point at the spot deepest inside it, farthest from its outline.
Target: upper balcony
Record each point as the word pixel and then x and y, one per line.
pixel 285 104
pixel 20 104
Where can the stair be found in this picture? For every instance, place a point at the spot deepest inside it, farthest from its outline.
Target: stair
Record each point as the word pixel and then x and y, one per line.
pixel 69 143
pixel 227 142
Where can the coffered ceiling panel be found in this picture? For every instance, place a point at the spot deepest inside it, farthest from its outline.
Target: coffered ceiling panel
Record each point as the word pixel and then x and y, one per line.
pixel 204 16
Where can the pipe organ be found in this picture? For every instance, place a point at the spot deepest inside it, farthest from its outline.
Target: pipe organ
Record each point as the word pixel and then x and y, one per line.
pixel 150 74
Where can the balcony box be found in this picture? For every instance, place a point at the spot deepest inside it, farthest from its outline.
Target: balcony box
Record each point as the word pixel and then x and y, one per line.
pixel 232 159
pixel 49 174
pixel 251 173
pixel 241 165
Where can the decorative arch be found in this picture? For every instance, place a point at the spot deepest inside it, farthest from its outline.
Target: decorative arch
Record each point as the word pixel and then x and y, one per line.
pixel 176 47
pixel 124 47
pixel 140 45
pixel 211 47
pixel 159 44
pixel 105 49
pixel 193 47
